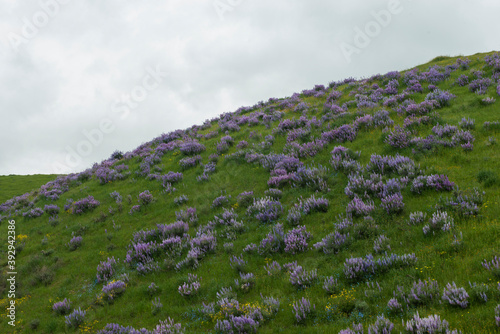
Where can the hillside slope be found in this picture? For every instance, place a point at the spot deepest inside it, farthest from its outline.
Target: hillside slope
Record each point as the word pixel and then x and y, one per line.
pixel 371 202
pixel 15 185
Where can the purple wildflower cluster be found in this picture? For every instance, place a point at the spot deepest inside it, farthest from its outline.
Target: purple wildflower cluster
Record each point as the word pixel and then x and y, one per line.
pixel 435 182
pixel 302 309
pixel 191 147
pixel 296 240
pixel 265 209
pixel 33 213
pixel 356 329
pixel 245 282
pixel 357 207
pixel 333 242
pixel 273 268
pixel 420 293
pixel 190 287
pixel 114 289
pixel 145 197
pixel 341 134
pixel 493 266
pixel 166 326
pixel 480 86
pixel 439 221
pixel 274 241
pixel 220 201
pixel 106 269
pixel 355 268
pixel 238 263
pixel 106 174
pixel 189 162
pixel 84 205
pixel 76 318
pixel 429 324
pixel 464 203
pixel 455 296
pixel 398 138
pixel 443 98
pixel 74 243
pixel 299 277
pixel 189 215
pixel 164 240
pixel 62 307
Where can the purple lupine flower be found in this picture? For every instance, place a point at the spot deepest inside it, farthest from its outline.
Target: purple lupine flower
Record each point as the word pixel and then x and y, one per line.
pixel 430 324
pixel 455 296
pixel 85 204
pixel 399 138
pixel 181 199
pixel 480 86
pixel 274 241
pixel 381 118
pixel 238 263
pixel 421 292
pixel 273 268
pixel 341 134
pixel 245 282
pixel 62 307
pixel 116 196
pixel 394 305
pixel 134 209
pixel 191 147
pixel 359 208
pixel 296 240
pixel 381 326
pixel 330 285
pixel 188 162
pixel 51 209
pixel 74 243
pixel 302 309
pixel 462 80
pixel 300 277
pixel 33 213
pixel 356 329
pixel 242 144
pixel 172 177
pixel 467 123
pixel 114 288
pixel 265 209
pixel 76 318
pixel 189 215
pixel 439 221
pixel 393 203
pixel 220 201
pixel 333 242
pixel 442 97
pixel 493 266
pixel 145 197
pixel 190 287
pixel 168 326
pixel 106 269
pixel 497 315
pixel 381 244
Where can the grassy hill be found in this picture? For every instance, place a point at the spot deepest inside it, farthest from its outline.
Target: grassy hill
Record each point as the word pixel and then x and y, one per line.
pixel 16 185
pixel 371 202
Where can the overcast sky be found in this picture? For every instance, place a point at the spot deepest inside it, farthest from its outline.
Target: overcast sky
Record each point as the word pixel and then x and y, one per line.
pixel 80 79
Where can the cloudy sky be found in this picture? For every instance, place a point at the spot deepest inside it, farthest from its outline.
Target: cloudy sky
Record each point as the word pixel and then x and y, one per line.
pixel 80 79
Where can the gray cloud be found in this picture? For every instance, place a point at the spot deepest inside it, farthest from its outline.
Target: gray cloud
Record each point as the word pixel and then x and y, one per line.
pixel 66 78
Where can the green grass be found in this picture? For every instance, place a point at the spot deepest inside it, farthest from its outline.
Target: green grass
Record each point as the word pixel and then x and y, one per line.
pixel 16 185
pixel 49 272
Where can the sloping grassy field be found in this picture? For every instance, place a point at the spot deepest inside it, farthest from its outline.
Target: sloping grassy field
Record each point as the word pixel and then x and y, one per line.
pixel 16 185
pixel 364 202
